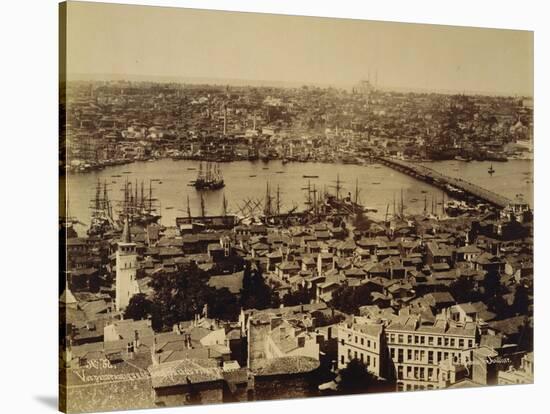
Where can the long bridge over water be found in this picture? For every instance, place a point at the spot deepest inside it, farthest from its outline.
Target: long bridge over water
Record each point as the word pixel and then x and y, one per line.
pixel 440 180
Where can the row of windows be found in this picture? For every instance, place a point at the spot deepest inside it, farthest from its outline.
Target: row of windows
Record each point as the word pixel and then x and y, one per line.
pixel 414 387
pixel 430 340
pixel 364 357
pixel 417 373
pixel 401 355
pixel 360 340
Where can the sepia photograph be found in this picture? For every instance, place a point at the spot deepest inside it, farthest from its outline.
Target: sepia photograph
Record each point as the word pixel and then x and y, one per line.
pixel 261 206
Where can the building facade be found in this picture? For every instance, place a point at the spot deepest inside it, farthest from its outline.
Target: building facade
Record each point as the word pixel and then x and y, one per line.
pixel 126 270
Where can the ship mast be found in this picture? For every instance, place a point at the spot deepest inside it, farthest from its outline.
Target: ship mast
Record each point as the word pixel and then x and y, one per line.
pixel 356 201
pixel 150 196
pixel 278 202
pixel 267 209
pixel 188 207
pixel 338 186
pixel 203 208
pixel 224 206
pixel 402 205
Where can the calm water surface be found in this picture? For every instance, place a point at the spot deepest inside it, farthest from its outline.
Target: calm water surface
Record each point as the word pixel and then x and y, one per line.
pixel 379 186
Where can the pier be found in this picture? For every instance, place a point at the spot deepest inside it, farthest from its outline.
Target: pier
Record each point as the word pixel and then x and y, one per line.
pixel 440 180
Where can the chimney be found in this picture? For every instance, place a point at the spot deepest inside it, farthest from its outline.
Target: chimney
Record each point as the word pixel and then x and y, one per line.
pixel 136 340
pixel 156 360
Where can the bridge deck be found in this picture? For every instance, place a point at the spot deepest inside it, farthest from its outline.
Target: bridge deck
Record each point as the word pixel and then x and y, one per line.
pixel 426 174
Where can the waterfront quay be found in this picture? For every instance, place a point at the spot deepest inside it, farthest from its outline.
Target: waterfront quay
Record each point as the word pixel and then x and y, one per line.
pixel 440 180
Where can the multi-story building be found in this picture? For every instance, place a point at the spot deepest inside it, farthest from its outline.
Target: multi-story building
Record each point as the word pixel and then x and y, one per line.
pixel 523 375
pixel 362 339
pixel 418 351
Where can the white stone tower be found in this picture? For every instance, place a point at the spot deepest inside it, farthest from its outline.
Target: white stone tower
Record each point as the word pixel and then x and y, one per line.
pixel 126 267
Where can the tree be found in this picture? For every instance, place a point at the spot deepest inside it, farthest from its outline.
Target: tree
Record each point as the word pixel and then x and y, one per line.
pixel 491 285
pixel 520 306
pixel 355 377
pixel 256 294
pixel 348 299
pixel 300 297
pixel 138 308
pixel 181 294
pixel 222 304
pixel 463 290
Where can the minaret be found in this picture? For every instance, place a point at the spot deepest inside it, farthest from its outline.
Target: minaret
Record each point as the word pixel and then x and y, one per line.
pixel 126 267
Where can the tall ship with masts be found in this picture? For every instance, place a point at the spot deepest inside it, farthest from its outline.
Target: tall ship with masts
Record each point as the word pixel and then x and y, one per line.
pixel 209 177
pixel 138 204
pixel 102 212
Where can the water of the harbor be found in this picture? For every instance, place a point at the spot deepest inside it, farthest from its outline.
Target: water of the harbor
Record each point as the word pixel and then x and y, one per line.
pixel 378 185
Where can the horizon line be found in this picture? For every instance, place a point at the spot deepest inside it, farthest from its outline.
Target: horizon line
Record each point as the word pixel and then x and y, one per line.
pixel 205 80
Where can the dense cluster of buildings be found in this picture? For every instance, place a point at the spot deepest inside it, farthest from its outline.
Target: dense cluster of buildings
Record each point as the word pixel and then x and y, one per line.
pixel 424 302
pixel 109 123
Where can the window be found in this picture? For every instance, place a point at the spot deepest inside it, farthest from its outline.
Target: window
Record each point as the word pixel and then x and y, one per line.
pixel 356 339
pixel 470 343
pixel 342 359
pixel 400 339
pixel 362 356
pixel 430 373
pixel 355 354
pixel 368 360
pixel 392 338
pixel 409 354
pixel 409 371
pixel 362 341
pixel 400 372
pixel 461 343
pixel 409 339
pixel 439 342
pixel 392 353
pixel 422 338
pixel 430 340
pixel 416 339
pixel 399 355
pixel 452 342
pixel 430 357
pixel 368 343
pixel 446 341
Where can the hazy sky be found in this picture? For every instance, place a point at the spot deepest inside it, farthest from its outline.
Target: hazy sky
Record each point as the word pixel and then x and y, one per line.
pixel 155 41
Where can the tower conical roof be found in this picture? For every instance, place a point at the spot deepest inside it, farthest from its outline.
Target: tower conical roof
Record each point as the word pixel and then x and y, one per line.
pixel 126 236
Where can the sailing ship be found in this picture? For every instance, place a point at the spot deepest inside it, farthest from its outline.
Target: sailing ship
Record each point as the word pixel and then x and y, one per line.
pixel 209 178
pixel 102 212
pixel 491 170
pixel 140 208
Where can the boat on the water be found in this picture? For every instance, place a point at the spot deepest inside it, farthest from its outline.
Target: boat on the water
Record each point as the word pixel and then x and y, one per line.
pixel 491 170
pixel 209 178
pixel 310 176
